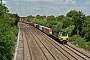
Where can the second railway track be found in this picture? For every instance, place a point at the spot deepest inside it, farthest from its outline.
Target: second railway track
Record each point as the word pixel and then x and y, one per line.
pixel 42 47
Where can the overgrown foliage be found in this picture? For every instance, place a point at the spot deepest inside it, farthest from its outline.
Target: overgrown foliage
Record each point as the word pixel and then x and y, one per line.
pixel 8 33
pixel 78 19
pixel 80 42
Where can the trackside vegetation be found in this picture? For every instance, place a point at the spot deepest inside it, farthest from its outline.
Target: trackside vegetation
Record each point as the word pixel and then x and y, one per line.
pixel 8 32
pixel 76 23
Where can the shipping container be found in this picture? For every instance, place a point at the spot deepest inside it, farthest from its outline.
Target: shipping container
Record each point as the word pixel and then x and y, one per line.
pixel 31 23
pixel 37 26
pixel 48 31
pixel 43 28
pixel 34 24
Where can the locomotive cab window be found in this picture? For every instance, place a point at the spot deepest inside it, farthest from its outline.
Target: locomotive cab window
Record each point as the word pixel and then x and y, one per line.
pixel 64 34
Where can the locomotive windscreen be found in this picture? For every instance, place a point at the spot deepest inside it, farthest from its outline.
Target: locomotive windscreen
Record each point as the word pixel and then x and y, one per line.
pixel 64 34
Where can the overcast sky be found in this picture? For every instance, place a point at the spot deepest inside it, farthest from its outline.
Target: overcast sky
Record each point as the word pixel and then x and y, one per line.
pixel 47 7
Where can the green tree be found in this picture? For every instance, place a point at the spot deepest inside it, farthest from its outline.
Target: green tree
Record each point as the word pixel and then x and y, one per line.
pixel 86 28
pixel 3 9
pixel 60 17
pixel 50 18
pixel 78 18
pixel 30 17
pixel 71 13
pixel 66 22
pixel 39 17
pixel 8 32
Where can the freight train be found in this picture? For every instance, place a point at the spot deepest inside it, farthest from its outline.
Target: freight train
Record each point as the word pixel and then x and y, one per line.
pixel 61 36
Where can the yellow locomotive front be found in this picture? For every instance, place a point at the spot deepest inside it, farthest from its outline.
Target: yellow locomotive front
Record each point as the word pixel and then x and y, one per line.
pixel 63 37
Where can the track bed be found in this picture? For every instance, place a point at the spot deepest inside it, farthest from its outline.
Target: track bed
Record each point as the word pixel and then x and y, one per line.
pixel 36 45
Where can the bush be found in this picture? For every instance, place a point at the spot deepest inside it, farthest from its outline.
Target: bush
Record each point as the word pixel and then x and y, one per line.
pixel 8 34
pixel 82 43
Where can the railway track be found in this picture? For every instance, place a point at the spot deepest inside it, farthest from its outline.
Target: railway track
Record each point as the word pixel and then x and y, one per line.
pixel 42 48
pixel 35 48
pixel 79 50
pixel 50 48
pixel 76 54
pixel 23 51
pixel 29 55
pixel 38 46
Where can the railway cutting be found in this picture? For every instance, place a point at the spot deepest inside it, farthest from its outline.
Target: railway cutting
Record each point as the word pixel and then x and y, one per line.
pixel 33 44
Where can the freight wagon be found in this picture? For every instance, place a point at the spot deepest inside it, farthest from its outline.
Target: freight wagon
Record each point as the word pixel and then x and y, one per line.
pixel 61 36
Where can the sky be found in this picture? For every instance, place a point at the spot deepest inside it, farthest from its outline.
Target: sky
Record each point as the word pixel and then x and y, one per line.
pixel 46 7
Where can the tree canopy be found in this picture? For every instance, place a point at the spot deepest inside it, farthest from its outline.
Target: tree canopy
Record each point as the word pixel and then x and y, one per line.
pixel 78 18
pixel 8 32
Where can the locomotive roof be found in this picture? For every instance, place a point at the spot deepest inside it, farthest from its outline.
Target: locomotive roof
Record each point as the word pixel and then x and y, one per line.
pixel 58 30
